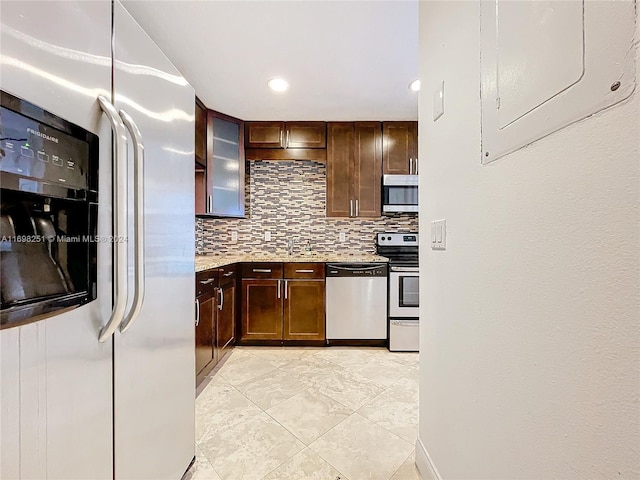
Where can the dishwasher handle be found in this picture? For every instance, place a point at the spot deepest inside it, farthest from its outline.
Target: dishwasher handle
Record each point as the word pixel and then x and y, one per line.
pixel 354 267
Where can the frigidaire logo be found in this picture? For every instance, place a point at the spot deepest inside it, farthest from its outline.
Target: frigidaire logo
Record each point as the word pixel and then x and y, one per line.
pixel 42 135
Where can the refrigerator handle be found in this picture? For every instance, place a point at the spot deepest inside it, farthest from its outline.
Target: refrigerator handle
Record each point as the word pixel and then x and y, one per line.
pixel 138 225
pixel 120 220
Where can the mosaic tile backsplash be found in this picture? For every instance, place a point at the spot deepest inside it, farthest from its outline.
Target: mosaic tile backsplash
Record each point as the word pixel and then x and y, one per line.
pixel 288 200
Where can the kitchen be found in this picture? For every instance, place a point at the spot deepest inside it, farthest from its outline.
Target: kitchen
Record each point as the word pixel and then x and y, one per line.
pixel 208 275
pixel 273 242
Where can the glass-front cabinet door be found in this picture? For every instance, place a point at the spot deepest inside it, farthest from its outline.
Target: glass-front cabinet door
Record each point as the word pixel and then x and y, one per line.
pixel 225 166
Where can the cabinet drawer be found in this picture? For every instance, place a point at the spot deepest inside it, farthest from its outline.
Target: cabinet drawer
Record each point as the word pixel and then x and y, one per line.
pixel 304 270
pixel 206 281
pixel 262 270
pixel 227 274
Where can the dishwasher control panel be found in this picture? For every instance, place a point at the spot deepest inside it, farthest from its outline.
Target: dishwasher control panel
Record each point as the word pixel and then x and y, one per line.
pixel 356 270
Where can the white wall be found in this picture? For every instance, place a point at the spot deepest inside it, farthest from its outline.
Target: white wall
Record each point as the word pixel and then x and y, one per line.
pixel 530 333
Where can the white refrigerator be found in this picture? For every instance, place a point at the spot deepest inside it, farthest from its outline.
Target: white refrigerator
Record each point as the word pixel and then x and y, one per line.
pixel 80 395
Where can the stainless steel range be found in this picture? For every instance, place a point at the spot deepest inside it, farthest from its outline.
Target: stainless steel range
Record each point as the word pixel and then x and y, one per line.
pixel 403 297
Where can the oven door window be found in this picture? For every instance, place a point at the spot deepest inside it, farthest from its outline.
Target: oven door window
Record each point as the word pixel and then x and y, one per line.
pixel 409 291
pixel 400 195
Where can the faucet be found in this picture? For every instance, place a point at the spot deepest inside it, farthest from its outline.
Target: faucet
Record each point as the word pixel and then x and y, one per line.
pixel 290 243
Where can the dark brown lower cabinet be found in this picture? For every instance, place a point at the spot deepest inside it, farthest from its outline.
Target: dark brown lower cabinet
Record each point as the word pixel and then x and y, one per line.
pixel 290 309
pixel 261 309
pixel 304 310
pixel 226 331
pixel 205 334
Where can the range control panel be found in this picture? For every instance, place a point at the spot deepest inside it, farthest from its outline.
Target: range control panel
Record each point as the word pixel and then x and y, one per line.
pixel 38 153
pixel 397 239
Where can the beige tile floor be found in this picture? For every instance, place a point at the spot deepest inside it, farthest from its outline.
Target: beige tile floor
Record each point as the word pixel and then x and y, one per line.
pixel 308 413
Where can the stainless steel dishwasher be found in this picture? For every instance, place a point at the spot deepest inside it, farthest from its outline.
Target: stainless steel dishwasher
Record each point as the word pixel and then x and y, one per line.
pixel 356 301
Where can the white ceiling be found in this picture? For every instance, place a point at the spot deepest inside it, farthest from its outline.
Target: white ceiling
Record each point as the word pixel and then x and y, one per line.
pixel 344 60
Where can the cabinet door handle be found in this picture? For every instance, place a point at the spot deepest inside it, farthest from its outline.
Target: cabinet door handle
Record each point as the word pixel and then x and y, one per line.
pixel 197 312
pixel 285 289
pixel 287 144
pixel 210 204
pixel 207 282
pixel 357 209
pixel 221 301
pixel 305 271
pixel 351 208
pixel 416 169
pixel 278 288
pixel 280 137
pixel 228 274
pixel 261 270
pixel 410 166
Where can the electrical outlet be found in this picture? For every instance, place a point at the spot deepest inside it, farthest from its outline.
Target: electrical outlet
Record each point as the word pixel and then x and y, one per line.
pixel 439 235
pixel 343 237
pixel 234 236
pixel 267 236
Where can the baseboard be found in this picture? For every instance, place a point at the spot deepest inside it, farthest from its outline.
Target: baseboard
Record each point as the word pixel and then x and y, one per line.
pixel 426 468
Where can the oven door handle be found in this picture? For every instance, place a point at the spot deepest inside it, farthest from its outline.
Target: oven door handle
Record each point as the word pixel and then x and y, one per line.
pixel 119 200
pixel 405 269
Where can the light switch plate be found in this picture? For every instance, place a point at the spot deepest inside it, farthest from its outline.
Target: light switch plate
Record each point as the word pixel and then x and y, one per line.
pixel 234 236
pixel 267 236
pixel 439 235
pixel 343 237
pixel 438 101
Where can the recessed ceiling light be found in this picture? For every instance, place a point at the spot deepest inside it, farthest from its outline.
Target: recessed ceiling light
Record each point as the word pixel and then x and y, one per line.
pixel 278 84
pixel 415 86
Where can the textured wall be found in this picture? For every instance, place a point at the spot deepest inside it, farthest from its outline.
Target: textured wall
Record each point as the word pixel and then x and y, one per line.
pixel 288 199
pixel 530 320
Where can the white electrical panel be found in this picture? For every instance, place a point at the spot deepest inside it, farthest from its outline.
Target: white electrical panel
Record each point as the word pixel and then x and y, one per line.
pixel 546 64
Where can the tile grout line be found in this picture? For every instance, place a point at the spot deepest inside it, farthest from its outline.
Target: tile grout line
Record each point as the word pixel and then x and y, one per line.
pixel 333 367
pixel 400 466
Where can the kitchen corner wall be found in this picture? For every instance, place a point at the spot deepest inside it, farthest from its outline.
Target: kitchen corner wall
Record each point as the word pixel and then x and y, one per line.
pixel 288 199
pixel 530 320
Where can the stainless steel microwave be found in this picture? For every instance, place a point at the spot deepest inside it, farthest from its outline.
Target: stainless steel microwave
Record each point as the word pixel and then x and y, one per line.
pixel 399 193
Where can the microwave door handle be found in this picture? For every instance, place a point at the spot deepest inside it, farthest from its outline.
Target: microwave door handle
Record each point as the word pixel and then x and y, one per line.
pixel 138 225
pixel 120 220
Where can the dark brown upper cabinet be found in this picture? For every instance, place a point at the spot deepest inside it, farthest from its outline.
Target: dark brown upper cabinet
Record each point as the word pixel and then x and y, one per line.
pixel 219 165
pixel 354 169
pixel 400 148
pixel 285 135
pixel 200 158
pixel 286 141
pixel 225 166
pixel 201 134
pixel 264 135
pixel 305 135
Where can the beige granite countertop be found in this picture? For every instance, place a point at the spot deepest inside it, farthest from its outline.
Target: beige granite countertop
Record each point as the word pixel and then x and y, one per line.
pixel 205 262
